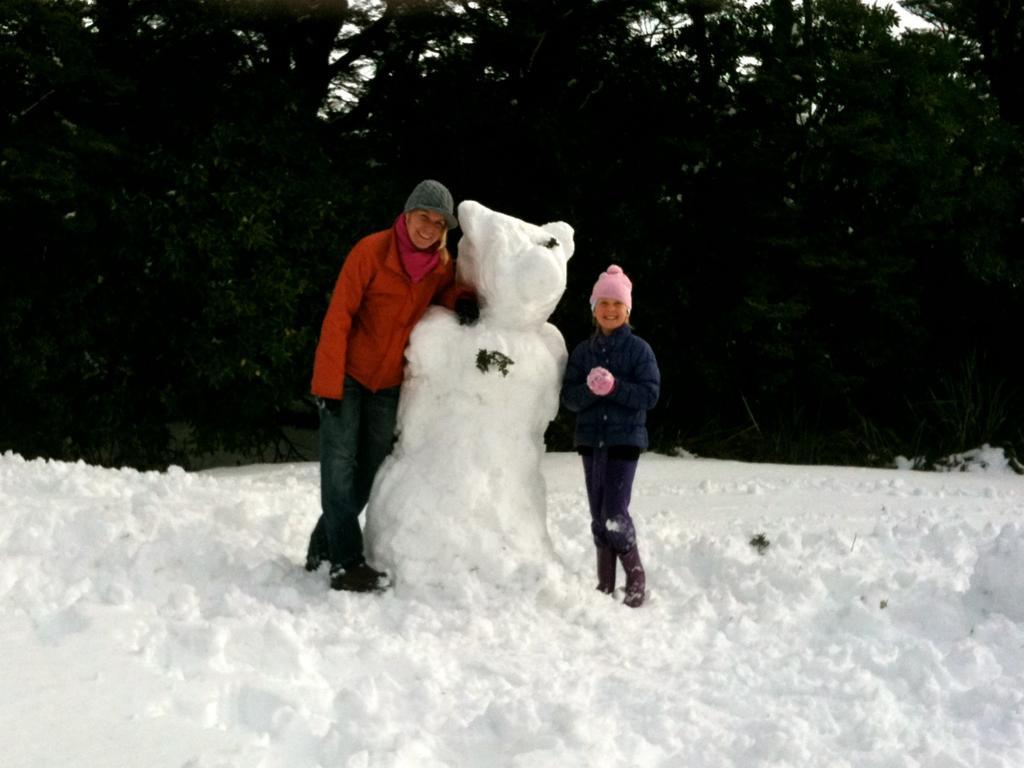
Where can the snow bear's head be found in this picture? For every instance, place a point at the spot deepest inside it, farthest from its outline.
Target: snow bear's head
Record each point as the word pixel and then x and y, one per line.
pixel 518 269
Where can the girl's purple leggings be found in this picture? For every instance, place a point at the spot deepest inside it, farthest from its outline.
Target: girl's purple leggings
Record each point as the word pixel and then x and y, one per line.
pixel 609 487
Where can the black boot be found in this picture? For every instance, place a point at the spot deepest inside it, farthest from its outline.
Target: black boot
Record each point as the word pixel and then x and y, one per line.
pixel 606 567
pixel 636 581
pixel 358 577
pixel 314 561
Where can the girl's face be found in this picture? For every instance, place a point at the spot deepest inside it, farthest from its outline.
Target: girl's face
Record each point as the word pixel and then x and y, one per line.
pixel 425 227
pixel 610 314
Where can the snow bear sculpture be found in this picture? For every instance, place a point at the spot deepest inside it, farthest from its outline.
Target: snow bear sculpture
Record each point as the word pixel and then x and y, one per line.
pixel 463 490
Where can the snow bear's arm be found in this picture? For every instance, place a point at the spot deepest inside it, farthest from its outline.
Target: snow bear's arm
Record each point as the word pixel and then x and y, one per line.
pixel 555 344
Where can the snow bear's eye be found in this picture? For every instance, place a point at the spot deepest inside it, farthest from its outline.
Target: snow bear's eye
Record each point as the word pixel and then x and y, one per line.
pixel 550 243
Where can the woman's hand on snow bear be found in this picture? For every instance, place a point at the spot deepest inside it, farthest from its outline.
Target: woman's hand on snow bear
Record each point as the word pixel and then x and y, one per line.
pixel 467 310
pixel 600 381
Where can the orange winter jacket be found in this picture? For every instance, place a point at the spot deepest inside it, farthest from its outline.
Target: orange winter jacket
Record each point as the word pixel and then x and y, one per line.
pixel 372 312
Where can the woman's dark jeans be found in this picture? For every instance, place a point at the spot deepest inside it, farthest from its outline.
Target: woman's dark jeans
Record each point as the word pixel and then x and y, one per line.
pixel 356 435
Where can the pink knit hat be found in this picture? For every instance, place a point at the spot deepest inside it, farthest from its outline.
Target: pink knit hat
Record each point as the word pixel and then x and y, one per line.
pixel 613 284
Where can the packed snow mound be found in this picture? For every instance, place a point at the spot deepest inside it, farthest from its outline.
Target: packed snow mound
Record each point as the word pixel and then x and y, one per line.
pixel 997 585
pixel 985 458
pixel 462 490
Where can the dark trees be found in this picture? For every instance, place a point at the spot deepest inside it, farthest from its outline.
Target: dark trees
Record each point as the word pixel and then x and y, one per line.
pixel 821 215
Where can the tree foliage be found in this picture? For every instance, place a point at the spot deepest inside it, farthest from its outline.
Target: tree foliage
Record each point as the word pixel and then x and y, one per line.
pixel 821 213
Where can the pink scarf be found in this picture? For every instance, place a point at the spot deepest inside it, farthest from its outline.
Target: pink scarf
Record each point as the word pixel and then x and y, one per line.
pixel 417 262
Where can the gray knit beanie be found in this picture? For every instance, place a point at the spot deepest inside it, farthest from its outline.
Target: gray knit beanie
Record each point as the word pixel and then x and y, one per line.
pixel 431 195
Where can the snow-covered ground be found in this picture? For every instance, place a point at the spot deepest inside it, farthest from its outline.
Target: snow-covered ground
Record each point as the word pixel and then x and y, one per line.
pixel 164 619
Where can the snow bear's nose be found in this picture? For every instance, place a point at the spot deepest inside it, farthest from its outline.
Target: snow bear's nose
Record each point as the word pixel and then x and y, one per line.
pixel 540 276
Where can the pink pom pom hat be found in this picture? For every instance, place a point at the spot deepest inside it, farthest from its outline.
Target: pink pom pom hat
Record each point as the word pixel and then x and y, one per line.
pixel 613 284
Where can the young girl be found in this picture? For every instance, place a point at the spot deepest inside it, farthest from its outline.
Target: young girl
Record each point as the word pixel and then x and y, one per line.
pixel 611 381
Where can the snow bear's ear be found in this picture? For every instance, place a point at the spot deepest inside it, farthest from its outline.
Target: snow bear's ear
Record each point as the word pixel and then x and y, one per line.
pixel 563 233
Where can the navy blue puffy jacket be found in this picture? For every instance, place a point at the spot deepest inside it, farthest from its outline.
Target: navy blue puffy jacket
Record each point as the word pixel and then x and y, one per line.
pixel 620 417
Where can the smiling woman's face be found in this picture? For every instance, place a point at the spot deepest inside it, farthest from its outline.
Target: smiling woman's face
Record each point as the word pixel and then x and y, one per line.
pixel 425 227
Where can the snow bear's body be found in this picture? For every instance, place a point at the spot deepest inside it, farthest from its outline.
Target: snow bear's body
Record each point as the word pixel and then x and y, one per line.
pixel 463 488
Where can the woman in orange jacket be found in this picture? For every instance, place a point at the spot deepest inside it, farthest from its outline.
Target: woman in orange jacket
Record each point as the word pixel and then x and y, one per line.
pixel 387 282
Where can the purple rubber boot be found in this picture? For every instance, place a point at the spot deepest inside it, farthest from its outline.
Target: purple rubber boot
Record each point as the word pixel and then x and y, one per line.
pixel 606 563
pixel 636 581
